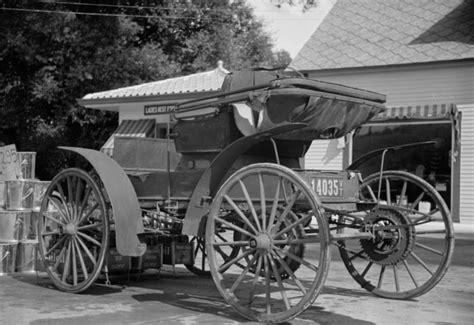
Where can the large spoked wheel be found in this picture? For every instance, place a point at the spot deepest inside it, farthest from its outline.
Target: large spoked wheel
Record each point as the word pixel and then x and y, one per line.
pixel 414 238
pixel 257 217
pixel 73 230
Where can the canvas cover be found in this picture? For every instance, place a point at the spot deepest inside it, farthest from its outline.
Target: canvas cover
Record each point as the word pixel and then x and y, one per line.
pixel 327 116
pixel 329 110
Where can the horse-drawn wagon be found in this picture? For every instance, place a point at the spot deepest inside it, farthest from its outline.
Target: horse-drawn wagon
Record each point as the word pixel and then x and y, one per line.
pixel 227 183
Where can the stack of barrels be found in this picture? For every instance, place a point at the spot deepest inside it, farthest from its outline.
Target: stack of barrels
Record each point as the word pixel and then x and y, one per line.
pixel 20 202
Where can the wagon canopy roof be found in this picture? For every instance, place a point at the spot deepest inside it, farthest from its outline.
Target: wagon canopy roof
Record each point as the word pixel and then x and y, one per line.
pixel 208 81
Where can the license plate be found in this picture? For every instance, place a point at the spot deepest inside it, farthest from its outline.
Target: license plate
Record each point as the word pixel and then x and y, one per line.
pixel 327 186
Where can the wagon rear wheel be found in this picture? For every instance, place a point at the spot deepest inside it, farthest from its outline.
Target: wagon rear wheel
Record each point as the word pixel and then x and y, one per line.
pixel 268 279
pixel 414 238
pixel 73 230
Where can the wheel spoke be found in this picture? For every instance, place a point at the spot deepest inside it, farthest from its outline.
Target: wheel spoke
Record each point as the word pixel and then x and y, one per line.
pixel 50 233
pixel 250 204
pixel 402 193
pixel 279 281
pixel 372 194
pixel 81 259
pixel 267 285
pixel 240 213
pixel 232 243
pixel 237 228
pixel 244 272
pixel 91 226
pixel 418 200
pixel 276 199
pixel 410 273
pixel 382 271
pixel 262 201
pixel 255 279
pixel 61 211
pixel 59 242
pixel 70 194
pixel 225 266
pixel 395 276
pixel 431 232
pixel 88 214
pixel 86 249
pixel 429 249
pixel 421 262
pixel 89 238
pixel 283 215
pixel 367 268
pixel 77 199
pixel 387 188
pixel 74 263
pixel 67 262
pixel 62 197
pixel 84 202
pixel 355 255
pixel 296 258
pixel 290 273
pixel 292 225
pixel 60 256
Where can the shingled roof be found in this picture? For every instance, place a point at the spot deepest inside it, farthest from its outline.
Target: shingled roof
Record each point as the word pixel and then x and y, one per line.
pixel 198 82
pixel 364 33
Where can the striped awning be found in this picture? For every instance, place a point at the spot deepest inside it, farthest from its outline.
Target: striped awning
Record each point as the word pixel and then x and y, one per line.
pixel 129 128
pixel 419 112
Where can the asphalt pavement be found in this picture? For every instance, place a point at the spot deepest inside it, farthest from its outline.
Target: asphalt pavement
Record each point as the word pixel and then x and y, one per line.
pixel 180 297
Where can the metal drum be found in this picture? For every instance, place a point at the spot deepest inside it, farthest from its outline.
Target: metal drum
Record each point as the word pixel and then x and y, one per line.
pixel 26 255
pixel 8 258
pixel 27 164
pixel 19 194
pixel 15 226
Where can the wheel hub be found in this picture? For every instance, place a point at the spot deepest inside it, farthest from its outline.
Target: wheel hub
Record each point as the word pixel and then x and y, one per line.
pixel 393 236
pixel 70 229
pixel 262 242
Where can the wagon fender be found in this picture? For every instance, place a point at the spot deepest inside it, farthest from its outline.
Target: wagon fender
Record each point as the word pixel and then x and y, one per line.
pixel 122 196
pixel 207 186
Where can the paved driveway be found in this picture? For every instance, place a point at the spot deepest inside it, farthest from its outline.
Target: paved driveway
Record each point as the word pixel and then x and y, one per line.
pixel 183 298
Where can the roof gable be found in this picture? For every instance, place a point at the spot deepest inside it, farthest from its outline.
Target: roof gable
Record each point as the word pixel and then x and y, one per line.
pixel 362 33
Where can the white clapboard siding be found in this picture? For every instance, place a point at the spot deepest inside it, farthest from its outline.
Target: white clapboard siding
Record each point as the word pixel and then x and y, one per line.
pixel 467 164
pixel 325 155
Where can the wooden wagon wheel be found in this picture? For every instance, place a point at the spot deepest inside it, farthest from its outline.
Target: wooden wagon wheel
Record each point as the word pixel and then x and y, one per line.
pixel 73 230
pixel 414 238
pixel 252 281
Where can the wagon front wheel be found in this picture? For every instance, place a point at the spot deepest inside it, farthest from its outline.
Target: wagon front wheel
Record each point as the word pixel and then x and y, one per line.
pixel 73 230
pixel 413 237
pixel 277 270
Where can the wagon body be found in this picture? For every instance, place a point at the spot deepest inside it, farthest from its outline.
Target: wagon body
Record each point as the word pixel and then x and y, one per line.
pixel 229 178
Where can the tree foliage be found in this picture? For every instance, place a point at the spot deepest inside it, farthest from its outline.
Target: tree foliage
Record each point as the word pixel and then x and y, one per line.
pixel 52 53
